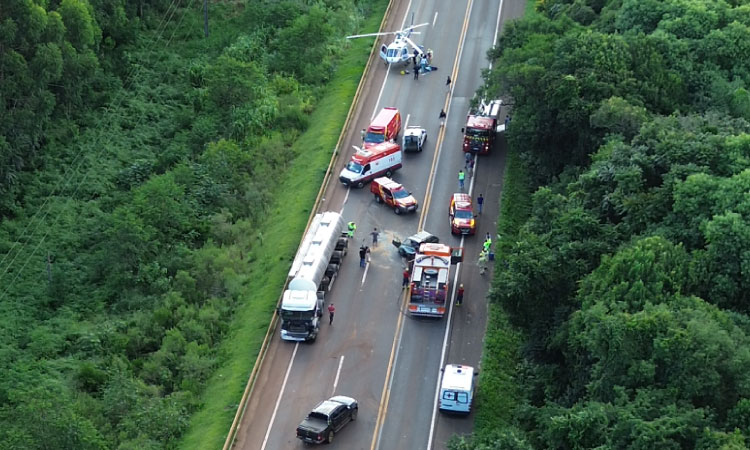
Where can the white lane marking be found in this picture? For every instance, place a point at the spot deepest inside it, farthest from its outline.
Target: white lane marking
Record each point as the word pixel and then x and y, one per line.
pixel 385 80
pixel 497 28
pixel 380 94
pixel 406 124
pixel 346 197
pixel 367 267
pixel 433 420
pixel 338 372
pixel 434 19
pixel 390 382
pixel 281 394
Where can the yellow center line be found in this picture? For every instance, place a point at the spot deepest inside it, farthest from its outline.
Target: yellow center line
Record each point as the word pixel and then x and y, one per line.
pixel 386 392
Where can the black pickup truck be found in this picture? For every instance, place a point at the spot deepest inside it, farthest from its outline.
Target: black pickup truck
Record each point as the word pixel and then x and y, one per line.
pixel 327 419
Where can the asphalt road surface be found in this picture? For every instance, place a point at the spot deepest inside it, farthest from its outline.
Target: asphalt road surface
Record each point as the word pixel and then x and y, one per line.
pixel 374 351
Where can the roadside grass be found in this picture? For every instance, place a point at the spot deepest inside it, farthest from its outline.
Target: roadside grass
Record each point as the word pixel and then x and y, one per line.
pixel 272 247
pixel 498 392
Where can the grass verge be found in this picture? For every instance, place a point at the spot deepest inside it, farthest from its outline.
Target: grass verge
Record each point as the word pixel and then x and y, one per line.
pixel 498 392
pixel 273 248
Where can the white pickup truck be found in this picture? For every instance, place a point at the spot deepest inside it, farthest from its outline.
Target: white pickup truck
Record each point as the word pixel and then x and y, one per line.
pixel 414 139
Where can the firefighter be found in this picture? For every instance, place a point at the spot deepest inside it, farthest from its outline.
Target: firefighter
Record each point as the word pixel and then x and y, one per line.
pixel 483 257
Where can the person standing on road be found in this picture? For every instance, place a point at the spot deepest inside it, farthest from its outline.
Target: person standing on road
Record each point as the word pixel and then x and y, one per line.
pixel 350 228
pixel 374 234
pixel 487 246
pixel 448 84
pixel 483 256
pixel 442 117
pixel 362 255
pixel 461 178
pixel 468 158
pixel 460 295
pixel 416 72
pixel 331 311
pixel 405 281
pixel 364 132
pixel 480 202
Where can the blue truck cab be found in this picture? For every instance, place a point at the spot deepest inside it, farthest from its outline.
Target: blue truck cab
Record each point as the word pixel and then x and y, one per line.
pixel 457 389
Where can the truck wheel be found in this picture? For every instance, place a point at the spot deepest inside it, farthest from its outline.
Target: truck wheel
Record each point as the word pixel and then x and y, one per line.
pixel 389 173
pixel 342 244
pixel 360 184
pixel 330 437
pixel 337 256
pixel 397 211
pixel 377 198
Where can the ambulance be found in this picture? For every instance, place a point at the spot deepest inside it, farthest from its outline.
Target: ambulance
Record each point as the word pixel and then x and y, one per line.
pixel 384 127
pixel 457 389
pixel 367 164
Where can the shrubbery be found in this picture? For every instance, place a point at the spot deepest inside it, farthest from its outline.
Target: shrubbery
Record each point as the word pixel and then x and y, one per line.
pixel 627 281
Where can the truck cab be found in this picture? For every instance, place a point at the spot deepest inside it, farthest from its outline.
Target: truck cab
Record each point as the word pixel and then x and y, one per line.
pixel 384 127
pixel 457 389
pixel 393 194
pixel 481 128
pixel 300 314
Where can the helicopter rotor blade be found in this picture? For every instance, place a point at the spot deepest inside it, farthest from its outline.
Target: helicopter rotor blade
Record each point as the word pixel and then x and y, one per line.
pixel 411 27
pixel 371 34
pixel 413 44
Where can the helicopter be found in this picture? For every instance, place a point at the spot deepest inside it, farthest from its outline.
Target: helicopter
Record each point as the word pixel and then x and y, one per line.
pixel 398 50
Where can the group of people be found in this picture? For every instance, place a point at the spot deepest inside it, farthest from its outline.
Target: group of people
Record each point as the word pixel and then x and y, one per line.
pixel 424 64
pixel 364 250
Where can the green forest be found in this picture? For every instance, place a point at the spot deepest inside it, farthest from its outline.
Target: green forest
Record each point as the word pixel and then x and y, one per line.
pixel 140 165
pixel 621 298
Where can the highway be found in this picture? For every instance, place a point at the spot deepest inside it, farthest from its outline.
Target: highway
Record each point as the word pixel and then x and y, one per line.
pixel 374 351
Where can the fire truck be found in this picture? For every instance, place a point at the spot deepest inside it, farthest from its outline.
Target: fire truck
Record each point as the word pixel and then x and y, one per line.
pixel 480 132
pixel 430 272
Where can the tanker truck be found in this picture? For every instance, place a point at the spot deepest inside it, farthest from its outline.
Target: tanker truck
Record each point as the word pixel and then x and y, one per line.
pixel 313 272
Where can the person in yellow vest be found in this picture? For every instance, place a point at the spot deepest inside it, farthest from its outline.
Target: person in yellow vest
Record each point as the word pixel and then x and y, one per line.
pixel 351 227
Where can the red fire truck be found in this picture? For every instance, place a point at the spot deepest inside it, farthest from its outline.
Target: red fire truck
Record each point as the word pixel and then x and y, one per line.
pixel 428 290
pixel 481 128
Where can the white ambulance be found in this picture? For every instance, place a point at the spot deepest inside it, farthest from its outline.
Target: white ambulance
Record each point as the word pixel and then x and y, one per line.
pixel 366 164
pixel 457 389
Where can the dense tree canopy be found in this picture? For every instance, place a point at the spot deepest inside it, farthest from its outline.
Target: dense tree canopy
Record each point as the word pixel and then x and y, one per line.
pixel 130 153
pixel 629 277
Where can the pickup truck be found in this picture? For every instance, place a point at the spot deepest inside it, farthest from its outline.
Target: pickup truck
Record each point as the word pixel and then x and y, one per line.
pixel 327 419
pixel 393 194
pixel 414 139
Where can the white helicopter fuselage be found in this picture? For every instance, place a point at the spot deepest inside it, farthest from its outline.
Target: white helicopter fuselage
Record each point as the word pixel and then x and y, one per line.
pixel 396 52
pixel 400 50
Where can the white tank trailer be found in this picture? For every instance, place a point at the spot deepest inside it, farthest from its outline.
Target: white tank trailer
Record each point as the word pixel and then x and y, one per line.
pixel 312 275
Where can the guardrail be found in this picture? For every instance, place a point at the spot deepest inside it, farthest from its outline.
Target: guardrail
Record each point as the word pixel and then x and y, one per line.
pixel 229 442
